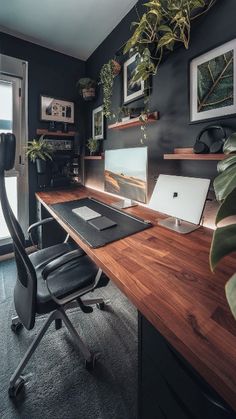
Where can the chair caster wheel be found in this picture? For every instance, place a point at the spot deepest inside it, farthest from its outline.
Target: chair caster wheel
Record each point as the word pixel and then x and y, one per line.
pixel 89 365
pixel 16 389
pixel 101 306
pixel 15 327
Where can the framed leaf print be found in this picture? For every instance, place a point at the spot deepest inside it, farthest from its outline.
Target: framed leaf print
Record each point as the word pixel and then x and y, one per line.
pixel 98 123
pixel 213 83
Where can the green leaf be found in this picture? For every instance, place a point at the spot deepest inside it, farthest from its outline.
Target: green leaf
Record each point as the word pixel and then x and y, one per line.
pixel 166 39
pixel 230 291
pixel 225 183
pixel 230 144
pixel 227 208
pixel 164 28
pixel 152 4
pixel 223 243
pixel 224 164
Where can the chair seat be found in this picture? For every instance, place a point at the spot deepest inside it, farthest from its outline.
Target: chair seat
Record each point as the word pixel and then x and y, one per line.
pixel 70 278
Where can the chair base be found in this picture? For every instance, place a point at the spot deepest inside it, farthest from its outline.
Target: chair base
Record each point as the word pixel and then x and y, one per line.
pixel 16 381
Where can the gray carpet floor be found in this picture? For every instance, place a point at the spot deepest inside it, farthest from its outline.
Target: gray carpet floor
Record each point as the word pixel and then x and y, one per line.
pixel 57 384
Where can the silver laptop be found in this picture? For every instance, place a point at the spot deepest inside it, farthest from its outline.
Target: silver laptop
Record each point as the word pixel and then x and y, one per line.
pixel 183 198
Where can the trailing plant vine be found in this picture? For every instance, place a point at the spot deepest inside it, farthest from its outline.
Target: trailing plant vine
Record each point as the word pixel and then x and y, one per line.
pixel 107 75
pixel 165 23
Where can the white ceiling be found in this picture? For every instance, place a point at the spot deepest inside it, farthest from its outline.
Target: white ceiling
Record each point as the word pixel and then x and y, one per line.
pixel 73 27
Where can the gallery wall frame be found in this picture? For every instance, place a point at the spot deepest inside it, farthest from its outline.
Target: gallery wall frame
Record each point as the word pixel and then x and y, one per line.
pixel 131 92
pixel 57 110
pixel 98 123
pixel 212 83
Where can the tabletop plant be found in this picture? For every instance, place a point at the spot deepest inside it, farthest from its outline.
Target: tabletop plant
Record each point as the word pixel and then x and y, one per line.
pixel 92 145
pixel 224 238
pixel 164 24
pixel 107 74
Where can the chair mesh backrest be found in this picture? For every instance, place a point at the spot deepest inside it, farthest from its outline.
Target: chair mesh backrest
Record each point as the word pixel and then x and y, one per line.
pixel 26 282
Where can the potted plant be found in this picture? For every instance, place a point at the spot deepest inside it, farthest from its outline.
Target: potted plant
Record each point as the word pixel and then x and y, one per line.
pixel 93 146
pixel 164 24
pixel 39 152
pixel 87 88
pixel 125 113
pixel 224 238
pixel 107 74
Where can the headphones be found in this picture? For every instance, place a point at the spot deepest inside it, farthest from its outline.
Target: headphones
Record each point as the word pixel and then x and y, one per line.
pixel 201 147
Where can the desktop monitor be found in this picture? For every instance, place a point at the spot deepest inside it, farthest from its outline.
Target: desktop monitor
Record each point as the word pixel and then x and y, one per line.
pixel 126 174
pixel 183 198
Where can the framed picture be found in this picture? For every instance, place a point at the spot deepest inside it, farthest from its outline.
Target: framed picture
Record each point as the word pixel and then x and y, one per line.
pixel 57 110
pixel 131 91
pixel 213 83
pixel 98 123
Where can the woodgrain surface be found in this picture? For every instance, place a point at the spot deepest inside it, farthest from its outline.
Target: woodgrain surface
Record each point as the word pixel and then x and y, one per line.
pixel 167 277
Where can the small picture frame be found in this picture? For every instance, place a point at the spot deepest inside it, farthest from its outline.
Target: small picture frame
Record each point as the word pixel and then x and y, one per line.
pixel 213 83
pixel 57 110
pixel 131 91
pixel 98 123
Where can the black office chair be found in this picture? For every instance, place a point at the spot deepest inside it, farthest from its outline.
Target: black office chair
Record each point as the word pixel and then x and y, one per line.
pixel 48 281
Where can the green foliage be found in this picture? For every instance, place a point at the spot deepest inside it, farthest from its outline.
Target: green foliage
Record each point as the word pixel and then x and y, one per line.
pixel 224 238
pixel 165 23
pixel 230 290
pixel 92 145
pixel 107 76
pixel 38 149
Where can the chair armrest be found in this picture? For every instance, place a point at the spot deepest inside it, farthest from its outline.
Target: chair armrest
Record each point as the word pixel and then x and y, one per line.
pixel 60 261
pixel 54 265
pixel 39 223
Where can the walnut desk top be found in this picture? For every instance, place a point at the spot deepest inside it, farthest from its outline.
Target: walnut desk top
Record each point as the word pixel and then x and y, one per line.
pixel 167 277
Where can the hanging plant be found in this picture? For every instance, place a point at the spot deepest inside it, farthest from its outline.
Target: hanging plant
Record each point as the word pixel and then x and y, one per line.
pixel 224 238
pixel 107 75
pixel 165 23
pixel 87 88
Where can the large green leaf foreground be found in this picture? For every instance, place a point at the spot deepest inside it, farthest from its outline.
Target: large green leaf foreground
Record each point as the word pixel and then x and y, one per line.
pixel 224 238
pixel 223 243
pixel 230 290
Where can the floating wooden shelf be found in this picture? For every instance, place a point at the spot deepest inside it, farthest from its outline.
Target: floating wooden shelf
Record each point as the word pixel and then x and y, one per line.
pixel 94 157
pixel 188 154
pixel 133 122
pixel 40 131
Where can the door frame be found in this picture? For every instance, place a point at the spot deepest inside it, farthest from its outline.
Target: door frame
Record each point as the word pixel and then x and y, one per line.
pixel 17 71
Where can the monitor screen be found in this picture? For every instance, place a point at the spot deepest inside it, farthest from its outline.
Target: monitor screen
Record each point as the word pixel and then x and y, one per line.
pixel 180 197
pixel 126 173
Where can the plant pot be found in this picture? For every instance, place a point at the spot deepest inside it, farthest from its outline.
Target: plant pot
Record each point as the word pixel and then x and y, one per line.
pixel 125 118
pixel 89 94
pixel 116 67
pixel 41 166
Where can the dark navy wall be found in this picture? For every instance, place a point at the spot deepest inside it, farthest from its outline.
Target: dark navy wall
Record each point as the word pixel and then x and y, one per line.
pixel 50 73
pixel 170 96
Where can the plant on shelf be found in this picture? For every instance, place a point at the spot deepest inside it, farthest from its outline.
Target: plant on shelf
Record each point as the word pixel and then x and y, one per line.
pixel 107 75
pixel 87 88
pixel 38 151
pixel 93 146
pixel 224 238
pixel 165 23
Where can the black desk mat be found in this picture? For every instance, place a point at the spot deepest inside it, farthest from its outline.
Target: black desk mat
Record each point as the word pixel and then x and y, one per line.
pixel 126 224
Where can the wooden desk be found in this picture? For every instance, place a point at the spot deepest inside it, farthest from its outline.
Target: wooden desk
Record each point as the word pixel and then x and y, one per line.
pixel 168 279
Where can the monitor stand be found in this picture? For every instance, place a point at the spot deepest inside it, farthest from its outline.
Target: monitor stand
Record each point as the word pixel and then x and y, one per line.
pixel 182 227
pixel 124 203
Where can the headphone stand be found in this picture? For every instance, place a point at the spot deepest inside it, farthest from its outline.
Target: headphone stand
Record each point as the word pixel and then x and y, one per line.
pixel 177 225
